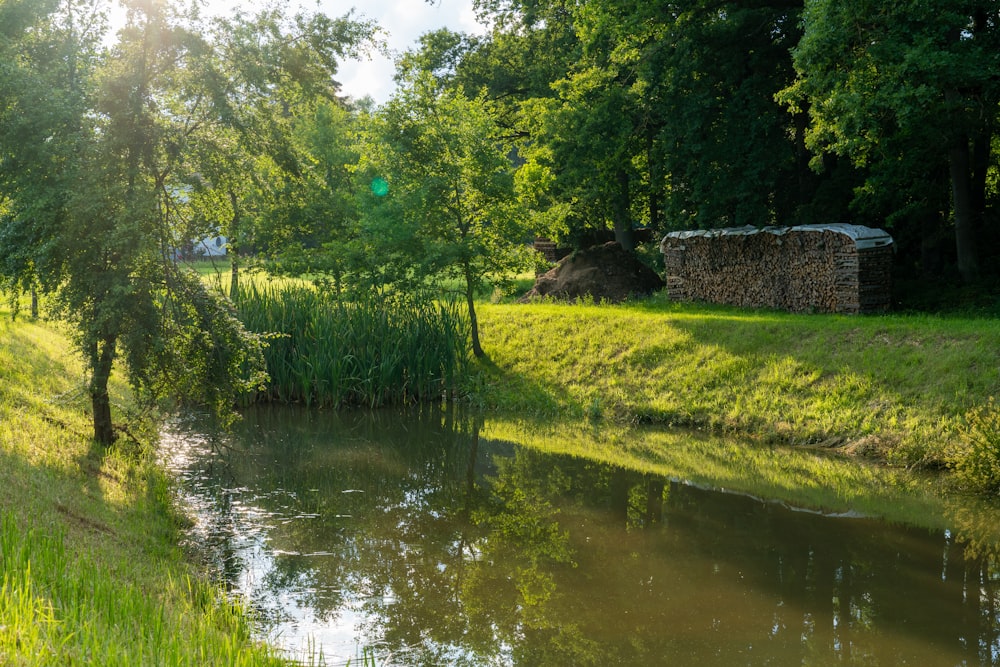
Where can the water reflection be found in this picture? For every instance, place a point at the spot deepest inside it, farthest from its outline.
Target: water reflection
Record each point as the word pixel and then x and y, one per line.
pixel 414 536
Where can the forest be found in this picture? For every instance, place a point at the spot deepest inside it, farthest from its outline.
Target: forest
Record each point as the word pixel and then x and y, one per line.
pixel 576 121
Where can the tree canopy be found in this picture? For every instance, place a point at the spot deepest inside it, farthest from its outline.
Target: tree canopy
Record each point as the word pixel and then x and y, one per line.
pixel 105 155
pixel 449 202
pixel 713 114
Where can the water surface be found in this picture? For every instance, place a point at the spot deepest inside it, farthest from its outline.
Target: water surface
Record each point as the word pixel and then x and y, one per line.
pixel 414 537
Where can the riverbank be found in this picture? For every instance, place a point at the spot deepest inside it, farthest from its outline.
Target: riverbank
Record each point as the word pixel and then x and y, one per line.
pixel 895 388
pixel 91 570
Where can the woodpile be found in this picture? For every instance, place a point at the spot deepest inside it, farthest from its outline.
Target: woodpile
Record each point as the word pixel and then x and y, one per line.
pixel 547 247
pixel 809 268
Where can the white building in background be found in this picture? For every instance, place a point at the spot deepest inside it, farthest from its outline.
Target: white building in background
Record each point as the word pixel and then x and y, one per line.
pixel 210 246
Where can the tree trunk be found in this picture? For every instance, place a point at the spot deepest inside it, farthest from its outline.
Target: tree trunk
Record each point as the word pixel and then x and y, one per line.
pixel 34 303
pixel 234 257
pixel 653 164
pixel 654 502
pixel 622 213
pixel 102 356
pixel 960 166
pixel 804 175
pixel 618 490
pixel 477 348
pixel 981 153
pixel 234 275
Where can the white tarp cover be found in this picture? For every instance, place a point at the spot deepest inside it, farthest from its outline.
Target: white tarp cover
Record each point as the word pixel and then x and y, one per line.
pixel 864 237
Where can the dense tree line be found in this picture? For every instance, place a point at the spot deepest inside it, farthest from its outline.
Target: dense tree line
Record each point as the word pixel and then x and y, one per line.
pixel 708 114
pixel 705 114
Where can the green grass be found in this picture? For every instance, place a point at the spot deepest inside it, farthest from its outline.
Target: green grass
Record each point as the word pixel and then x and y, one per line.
pixel 90 571
pixel 897 387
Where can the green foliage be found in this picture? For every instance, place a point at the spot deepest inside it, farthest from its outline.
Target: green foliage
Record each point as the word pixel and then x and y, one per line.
pixel 207 341
pixel 906 91
pixel 711 114
pixel 977 463
pixel 367 352
pixel 652 114
pixel 113 158
pixel 452 211
pixel 277 171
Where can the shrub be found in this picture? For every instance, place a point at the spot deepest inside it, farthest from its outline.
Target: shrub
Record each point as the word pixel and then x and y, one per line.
pixel 977 466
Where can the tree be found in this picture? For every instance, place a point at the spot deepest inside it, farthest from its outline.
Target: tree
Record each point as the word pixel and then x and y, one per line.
pixel 272 82
pixel 111 158
pixel 91 156
pixel 451 210
pixel 656 113
pixel 911 89
pixel 725 151
pixel 311 223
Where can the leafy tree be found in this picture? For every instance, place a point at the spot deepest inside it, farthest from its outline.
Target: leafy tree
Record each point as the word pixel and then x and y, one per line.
pixel 311 223
pixel 658 113
pixel 451 210
pixel 111 158
pixel 90 166
pixel 910 89
pixel 272 81
pixel 726 153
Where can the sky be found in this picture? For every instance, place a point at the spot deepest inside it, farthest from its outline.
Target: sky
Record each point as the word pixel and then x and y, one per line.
pixel 404 21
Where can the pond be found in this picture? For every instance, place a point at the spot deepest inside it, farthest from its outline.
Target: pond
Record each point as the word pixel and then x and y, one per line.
pixel 414 539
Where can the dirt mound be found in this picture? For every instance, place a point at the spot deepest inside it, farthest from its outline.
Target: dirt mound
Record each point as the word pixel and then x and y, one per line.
pixel 605 272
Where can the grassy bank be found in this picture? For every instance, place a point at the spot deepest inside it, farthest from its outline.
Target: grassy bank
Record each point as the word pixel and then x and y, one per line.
pixel 895 387
pixel 90 573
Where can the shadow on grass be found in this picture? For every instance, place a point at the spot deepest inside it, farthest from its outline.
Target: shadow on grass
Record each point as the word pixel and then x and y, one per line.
pixel 491 385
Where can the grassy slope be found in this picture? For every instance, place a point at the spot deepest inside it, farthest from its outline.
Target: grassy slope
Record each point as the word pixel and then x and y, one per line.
pixel 91 573
pixel 894 385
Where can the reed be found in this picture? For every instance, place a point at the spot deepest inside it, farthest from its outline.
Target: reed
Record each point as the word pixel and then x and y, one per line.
pixel 366 352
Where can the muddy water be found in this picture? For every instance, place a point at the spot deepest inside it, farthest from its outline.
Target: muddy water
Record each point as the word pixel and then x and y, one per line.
pixel 414 539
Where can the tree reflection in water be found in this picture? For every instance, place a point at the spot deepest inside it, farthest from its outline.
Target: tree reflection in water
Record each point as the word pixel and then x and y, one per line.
pixel 409 534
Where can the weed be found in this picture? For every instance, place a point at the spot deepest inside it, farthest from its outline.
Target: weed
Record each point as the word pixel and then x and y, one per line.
pixel 977 464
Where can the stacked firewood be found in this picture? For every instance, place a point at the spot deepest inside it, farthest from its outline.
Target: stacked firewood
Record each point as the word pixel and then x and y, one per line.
pixel 547 247
pixel 837 269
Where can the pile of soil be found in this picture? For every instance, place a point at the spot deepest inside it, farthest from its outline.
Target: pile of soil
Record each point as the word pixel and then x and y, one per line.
pixel 606 272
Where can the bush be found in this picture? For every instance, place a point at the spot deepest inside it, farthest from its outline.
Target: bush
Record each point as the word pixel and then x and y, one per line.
pixel 977 466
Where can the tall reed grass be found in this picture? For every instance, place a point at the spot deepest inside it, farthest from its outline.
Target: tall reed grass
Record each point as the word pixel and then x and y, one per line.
pixel 363 352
